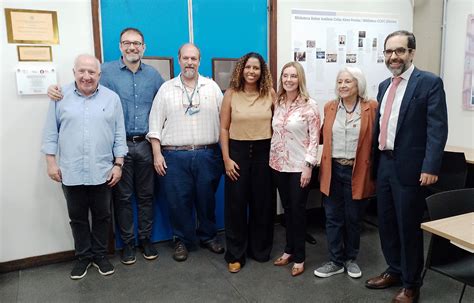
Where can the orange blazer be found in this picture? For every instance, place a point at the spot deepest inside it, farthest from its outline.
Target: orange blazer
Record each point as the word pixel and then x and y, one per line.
pixel 363 185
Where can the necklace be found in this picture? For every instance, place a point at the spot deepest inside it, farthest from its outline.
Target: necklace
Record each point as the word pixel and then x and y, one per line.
pixel 353 109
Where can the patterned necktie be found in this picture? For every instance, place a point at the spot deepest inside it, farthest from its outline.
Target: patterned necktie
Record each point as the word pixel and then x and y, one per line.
pixel 387 111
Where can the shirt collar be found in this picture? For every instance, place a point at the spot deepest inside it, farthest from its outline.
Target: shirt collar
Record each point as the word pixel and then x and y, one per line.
pixel 122 64
pixel 406 74
pixel 201 81
pixel 76 90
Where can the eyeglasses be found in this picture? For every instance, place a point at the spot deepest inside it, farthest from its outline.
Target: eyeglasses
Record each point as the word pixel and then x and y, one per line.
pixel 128 43
pixel 398 51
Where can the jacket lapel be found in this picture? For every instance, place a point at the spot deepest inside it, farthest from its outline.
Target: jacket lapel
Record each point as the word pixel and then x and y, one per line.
pixel 410 90
pixel 364 122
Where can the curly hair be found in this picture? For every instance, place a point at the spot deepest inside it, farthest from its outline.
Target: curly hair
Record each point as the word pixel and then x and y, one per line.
pixel 264 83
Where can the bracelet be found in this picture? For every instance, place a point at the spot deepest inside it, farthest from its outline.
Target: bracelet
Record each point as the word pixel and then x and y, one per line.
pixel 308 164
pixel 119 165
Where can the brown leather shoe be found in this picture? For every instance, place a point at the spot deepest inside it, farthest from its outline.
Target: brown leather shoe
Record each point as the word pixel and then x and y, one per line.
pixel 234 267
pixel 180 252
pixel 382 281
pixel 214 246
pixel 407 295
pixel 296 271
pixel 282 261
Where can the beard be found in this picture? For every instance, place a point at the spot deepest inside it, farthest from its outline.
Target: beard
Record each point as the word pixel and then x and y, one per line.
pixel 397 71
pixel 189 73
pixel 132 57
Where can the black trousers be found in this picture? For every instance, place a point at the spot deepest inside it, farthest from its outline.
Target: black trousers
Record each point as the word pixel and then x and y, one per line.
pixel 138 177
pixel 293 199
pixel 90 240
pixel 400 213
pixel 249 203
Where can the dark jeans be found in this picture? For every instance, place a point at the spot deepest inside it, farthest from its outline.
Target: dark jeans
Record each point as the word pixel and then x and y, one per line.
pixel 89 241
pixel 191 181
pixel 249 203
pixel 293 199
pixel 400 213
pixel 137 178
pixel 343 216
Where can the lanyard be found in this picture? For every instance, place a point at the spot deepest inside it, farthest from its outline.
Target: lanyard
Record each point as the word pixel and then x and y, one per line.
pixel 190 98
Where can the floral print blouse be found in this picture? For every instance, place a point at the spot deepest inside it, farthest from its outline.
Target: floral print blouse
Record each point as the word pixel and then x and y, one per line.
pixel 295 135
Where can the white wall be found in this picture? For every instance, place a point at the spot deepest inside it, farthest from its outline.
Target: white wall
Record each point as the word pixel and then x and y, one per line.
pixel 461 122
pixel 33 214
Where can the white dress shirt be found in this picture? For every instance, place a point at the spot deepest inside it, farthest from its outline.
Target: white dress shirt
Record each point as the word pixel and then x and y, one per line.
pixel 397 102
pixel 174 126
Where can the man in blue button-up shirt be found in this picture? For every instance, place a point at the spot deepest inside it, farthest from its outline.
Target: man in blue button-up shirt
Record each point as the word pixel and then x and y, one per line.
pixel 137 84
pixel 86 131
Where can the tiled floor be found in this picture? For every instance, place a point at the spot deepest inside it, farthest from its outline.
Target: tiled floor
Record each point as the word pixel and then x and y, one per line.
pixel 204 278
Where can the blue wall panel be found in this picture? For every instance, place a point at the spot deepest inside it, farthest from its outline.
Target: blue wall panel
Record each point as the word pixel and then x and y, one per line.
pixel 229 29
pixel 164 24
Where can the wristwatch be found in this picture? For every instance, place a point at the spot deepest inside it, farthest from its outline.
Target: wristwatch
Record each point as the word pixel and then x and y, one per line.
pixel 308 164
pixel 119 165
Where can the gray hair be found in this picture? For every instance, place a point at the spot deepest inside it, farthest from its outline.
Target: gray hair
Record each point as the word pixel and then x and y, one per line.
pixel 87 56
pixel 358 75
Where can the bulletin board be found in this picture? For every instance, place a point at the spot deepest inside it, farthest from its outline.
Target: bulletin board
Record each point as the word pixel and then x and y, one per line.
pixel 325 41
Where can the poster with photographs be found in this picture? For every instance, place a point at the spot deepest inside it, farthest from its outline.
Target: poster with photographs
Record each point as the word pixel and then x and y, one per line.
pixel 468 86
pixel 324 41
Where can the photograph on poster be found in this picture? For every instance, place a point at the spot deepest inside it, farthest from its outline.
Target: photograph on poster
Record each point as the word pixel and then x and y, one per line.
pixel 310 43
pixel 320 55
pixel 342 39
pixel 361 34
pixel 361 42
pixel 331 58
pixel 374 43
pixel 300 56
pixel 351 58
pixel 380 59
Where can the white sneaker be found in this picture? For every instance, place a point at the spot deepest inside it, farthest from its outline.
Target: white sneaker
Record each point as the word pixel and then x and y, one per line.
pixel 353 269
pixel 328 269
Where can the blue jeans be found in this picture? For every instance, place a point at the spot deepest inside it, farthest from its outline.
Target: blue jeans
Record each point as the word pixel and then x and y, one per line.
pixel 343 216
pixel 90 240
pixel 191 181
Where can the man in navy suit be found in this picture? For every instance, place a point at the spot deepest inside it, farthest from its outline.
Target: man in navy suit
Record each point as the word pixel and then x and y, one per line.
pixel 409 138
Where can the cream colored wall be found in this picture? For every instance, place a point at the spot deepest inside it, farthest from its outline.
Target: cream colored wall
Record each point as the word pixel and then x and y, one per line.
pixel 33 215
pixel 461 122
pixel 427 27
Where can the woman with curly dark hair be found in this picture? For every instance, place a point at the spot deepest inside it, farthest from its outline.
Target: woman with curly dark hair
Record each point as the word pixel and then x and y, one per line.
pixel 246 117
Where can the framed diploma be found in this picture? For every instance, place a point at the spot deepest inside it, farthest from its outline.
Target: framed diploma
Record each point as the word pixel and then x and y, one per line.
pixel 31 26
pixel 164 65
pixel 34 53
pixel 222 69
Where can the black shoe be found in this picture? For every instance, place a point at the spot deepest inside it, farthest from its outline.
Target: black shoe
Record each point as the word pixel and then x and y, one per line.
pixel 149 251
pixel 128 254
pixel 80 269
pixel 214 246
pixel 103 265
pixel 180 252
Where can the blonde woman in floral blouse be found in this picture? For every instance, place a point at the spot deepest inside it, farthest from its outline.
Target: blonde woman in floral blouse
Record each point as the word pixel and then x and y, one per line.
pixel 293 152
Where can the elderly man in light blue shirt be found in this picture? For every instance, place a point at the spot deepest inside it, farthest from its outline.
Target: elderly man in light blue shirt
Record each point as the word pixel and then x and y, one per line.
pixel 86 131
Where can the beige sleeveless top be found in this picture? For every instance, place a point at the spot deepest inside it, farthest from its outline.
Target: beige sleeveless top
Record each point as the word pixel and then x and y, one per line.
pixel 251 117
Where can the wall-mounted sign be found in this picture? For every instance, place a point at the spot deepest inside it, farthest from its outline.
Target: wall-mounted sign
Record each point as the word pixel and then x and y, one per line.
pixel 34 79
pixel 468 86
pixel 34 53
pixel 32 26
pixel 164 65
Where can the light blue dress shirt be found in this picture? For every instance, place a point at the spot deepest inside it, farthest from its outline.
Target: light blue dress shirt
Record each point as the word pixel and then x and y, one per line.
pixel 86 134
pixel 136 91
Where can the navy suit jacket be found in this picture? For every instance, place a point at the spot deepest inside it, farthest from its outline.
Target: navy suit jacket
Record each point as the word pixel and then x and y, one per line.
pixel 422 128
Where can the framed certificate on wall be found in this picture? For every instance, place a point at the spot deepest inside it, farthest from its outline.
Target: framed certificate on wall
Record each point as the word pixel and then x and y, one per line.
pixel 32 26
pixel 164 65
